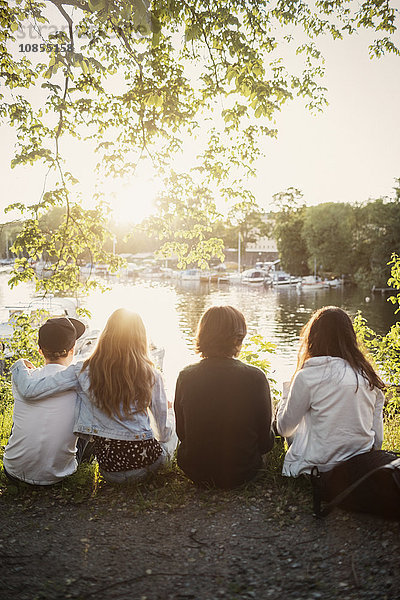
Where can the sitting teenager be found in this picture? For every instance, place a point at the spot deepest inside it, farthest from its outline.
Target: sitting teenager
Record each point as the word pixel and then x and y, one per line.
pixel 334 407
pixel 42 446
pixel 116 387
pixel 222 406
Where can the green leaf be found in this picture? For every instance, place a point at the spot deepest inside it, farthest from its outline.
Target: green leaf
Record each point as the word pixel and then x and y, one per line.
pixel 192 32
pixel 97 5
pixel 141 17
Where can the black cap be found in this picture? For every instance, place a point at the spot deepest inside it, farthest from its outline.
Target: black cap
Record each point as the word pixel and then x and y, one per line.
pixel 60 334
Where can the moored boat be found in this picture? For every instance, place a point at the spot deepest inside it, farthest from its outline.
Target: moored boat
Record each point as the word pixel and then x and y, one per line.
pixel 254 276
pixel 43 269
pixel 283 279
pixel 209 277
pixel 40 309
pixel 311 282
pixel 190 275
pixel 333 282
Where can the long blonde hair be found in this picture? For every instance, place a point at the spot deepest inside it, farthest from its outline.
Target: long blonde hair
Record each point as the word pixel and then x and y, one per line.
pixel 120 370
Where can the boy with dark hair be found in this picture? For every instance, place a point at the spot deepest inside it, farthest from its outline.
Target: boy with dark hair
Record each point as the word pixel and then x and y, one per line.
pixel 42 447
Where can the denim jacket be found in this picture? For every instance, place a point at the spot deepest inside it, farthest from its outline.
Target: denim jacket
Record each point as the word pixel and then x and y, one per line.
pixel 90 420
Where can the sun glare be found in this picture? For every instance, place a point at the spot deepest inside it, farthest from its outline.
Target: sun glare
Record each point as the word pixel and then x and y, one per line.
pixel 134 201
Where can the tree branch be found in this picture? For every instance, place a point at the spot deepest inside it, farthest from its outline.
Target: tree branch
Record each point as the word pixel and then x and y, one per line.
pixel 59 5
pixel 205 38
pixel 77 3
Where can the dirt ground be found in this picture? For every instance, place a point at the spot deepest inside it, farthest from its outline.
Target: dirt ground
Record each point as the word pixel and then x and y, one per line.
pixel 213 546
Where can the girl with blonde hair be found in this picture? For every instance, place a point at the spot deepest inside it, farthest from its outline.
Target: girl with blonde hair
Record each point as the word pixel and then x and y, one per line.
pixel 117 390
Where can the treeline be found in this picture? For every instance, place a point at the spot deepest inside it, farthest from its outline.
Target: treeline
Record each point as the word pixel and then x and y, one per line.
pixel 130 239
pixel 145 237
pixel 337 238
pixel 333 238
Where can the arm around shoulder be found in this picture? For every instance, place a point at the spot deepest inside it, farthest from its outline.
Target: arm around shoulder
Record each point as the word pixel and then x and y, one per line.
pixel 33 384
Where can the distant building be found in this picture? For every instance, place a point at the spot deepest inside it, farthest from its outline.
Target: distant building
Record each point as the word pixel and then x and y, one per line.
pixel 264 249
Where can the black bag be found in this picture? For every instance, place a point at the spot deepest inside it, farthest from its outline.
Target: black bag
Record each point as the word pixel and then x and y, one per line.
pixel 368 482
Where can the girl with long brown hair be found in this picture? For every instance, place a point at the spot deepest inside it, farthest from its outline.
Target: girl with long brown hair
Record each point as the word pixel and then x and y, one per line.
pixel 334 407
pixel 117 389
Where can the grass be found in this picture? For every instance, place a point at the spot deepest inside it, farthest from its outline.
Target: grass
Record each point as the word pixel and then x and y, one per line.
pixel 168 488
pixel 164 490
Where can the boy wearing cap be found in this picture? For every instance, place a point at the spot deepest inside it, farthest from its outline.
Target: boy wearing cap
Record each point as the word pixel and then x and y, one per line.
pixel 42 447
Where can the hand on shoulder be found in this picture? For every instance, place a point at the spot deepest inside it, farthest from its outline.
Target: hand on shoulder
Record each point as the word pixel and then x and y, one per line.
pixel 22 362
pixel 28 363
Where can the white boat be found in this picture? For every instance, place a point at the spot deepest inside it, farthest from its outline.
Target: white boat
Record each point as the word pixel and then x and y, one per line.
pixel 190 275
pixel 230 278
pixel 86 343
pixel 333 282
pixel 157 272
pixel 209 276
pixel 53 307
pixel 130 270
pixel 101 269
pixel 282 279
pixel 5 268
pixel 311 282
pixel 254 276
pixel 87 269
pixel 43 269
pixel 167 272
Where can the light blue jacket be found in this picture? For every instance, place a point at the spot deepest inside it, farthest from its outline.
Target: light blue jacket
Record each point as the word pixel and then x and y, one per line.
pixel 89 420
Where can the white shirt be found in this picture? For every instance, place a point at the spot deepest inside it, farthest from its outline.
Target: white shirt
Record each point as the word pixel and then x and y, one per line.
pixel 330 418
pixel 42 447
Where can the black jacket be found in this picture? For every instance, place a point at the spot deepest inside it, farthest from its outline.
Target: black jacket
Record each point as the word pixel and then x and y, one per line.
pixel 223 421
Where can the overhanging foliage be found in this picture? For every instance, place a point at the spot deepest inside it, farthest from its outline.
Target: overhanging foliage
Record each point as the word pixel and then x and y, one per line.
pixel 137 83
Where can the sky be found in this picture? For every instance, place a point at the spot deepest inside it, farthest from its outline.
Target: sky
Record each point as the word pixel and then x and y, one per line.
pixel 348 153
pixel 351 151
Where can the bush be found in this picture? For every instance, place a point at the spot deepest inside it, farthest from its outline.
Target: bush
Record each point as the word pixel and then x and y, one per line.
pixel 385 350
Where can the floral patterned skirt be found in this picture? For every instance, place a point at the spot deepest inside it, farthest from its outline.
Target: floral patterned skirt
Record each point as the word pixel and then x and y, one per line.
pixel 125 455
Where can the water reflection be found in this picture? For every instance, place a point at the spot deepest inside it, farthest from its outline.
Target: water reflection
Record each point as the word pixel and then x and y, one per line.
pixel 171 311
pixel 191 301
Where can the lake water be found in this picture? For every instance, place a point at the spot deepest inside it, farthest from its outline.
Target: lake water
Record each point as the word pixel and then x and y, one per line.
pixel 172 309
